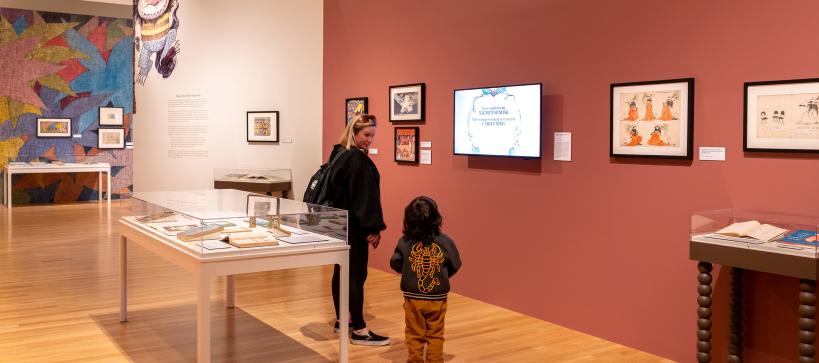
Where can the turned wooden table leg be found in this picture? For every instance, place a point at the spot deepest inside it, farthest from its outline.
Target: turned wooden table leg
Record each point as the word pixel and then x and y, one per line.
pixel 807 321
pixel 735 343
pixel 704 312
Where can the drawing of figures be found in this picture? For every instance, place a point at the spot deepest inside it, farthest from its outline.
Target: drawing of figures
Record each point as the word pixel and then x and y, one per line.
pixel 155 31
pixel 763 118
pixel 634 138
pixel 406 102
pixel 649 109
pixel 782 117
pixel 632 110
pixel 811 114
pixel 667 114
pixel 655 137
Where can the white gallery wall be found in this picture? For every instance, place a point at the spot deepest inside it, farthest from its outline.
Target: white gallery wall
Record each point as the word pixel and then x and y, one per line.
pixel 256 55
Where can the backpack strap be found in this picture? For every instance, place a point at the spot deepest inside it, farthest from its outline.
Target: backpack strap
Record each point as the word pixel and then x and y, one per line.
pixel 335 158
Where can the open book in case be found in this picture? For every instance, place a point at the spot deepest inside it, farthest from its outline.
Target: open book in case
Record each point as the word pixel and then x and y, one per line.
pixel 266 181
pixel 773 232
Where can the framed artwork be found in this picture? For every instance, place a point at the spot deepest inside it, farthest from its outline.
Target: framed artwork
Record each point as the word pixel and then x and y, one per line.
pixel 111 139
pixel 111 116
pixel 781 116
pixel 406 144
pixel 355 106
pixel 53 127
pixel 263 126
pixel 653 119
pixel 407 102
pixel 260 205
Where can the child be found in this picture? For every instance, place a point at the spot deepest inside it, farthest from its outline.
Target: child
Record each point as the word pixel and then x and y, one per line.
pixel 426 259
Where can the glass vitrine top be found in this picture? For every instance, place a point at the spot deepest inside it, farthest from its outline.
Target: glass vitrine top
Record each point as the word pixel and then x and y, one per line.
pixel 228 203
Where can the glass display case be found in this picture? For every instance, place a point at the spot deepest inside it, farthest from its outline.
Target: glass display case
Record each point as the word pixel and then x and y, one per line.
pixel 764 231
pixel 224 222
pixel 267 181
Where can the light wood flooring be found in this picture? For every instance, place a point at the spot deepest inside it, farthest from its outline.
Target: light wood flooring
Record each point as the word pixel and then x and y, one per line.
pixel 59 302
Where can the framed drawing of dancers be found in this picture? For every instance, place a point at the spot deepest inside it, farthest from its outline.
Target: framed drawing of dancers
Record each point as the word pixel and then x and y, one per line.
pixel 781 116
pixel 653 119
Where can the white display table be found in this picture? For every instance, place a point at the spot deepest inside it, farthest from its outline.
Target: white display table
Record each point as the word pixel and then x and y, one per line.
pixel 205 264
pixel 99 168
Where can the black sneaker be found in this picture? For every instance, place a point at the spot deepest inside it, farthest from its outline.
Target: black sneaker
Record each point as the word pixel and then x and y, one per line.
pixel 336 327
pixel 369 339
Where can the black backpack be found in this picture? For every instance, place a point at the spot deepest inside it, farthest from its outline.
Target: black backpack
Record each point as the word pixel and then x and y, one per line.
pixel 319 185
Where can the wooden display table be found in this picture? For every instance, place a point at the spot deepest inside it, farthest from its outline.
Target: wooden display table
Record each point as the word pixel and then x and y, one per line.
pixel 764 257
pixel 266 187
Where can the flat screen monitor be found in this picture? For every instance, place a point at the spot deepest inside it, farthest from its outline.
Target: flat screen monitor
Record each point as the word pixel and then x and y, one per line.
pixel 498 121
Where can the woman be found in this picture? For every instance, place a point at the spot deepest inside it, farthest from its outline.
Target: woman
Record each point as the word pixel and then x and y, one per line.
pixel 354 186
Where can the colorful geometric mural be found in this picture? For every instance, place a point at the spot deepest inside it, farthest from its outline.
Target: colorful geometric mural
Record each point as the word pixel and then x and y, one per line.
pixel 55 65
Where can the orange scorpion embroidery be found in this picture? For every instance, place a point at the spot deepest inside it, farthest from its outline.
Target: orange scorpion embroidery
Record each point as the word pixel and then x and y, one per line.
pixel 426 261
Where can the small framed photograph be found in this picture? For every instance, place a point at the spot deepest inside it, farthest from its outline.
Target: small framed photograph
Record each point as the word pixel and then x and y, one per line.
pixel 260 205
pixel 406 144
pixel 111 139
pixel 355 106
pixel 653 119
pixel 53 127
pixel 111 116
pixel 263 126
pixel 407 102
pixel 781 116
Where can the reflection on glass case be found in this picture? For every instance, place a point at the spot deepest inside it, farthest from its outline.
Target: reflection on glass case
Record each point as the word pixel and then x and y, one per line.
pixel 764 231
pixel 225 222
pixel 267 181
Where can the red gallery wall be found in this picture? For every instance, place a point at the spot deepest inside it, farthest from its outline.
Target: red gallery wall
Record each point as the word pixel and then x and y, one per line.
pixel 598 244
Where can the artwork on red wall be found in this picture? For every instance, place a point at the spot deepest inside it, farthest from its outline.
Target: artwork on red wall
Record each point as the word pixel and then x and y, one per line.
pixel 653 119
pixel 781 116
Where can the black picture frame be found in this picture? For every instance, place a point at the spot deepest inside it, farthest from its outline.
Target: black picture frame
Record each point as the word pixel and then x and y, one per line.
pixel 351 105
pixel 108 145
pixel 106 114
pixel 256 130
pixel 414 151
pixel 63 124
pixel 679 91
pixel 416 112
pixel 765 131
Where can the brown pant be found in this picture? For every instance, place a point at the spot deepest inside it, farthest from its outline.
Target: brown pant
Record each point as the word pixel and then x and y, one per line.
pixel 425 324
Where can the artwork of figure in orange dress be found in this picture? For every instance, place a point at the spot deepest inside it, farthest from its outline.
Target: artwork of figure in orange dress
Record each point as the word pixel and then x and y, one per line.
pixel 634 138
pixel 632 111
pixel 649 109
pixel 667 106
pixel 655 137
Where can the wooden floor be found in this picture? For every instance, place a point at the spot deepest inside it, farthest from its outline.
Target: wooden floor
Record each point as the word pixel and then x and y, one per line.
pixel 59 302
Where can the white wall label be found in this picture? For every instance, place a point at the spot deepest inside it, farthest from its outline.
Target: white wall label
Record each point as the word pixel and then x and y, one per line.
pixel 563 146
pixel 287 140
pixel 426 144
pixel 187 127
pixel 77 136
pixel 374 151
pixel 712 153
pixel 426 157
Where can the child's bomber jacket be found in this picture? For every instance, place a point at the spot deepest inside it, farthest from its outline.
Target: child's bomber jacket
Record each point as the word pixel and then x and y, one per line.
pixel 426 269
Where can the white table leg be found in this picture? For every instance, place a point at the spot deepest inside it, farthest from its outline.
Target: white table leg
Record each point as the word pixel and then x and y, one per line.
pixel 203 320
pixel 123 279
pixel 231 291
pixel 344 308
pixel 99 186
pixel 108 188
pixel 8 190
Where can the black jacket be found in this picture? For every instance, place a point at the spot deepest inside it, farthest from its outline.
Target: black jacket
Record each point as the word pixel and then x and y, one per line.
pixel 355 186
pixel 425 270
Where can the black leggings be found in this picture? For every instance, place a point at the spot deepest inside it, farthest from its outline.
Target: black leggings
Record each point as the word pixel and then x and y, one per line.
pixel 359 256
